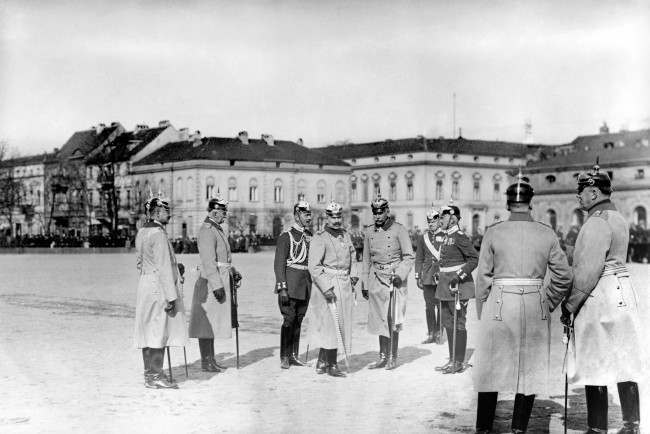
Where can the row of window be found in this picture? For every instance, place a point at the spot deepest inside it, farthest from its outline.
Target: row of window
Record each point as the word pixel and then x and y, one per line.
pixel 439 193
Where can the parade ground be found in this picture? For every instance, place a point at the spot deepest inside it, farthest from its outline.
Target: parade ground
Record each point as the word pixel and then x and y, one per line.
pixel 69 363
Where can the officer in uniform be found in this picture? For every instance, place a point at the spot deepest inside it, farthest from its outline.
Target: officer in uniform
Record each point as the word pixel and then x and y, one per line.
pixel 293 282
pixel 387 261
pixel 427 256
pixel 458 259
pixel 330 265
pixel 514 334
pixel 211 304
pixel 607 334
pixel 159 311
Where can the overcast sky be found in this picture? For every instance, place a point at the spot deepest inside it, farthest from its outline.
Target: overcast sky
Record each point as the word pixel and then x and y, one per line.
pixel 323 71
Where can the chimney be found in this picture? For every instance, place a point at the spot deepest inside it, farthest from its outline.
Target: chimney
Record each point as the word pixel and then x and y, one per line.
pixel 604 129
pixel 141 127
pixel 243 137
pixel 300 141
pixel 268 139
pixel 196 138
pixel 184 133
pixel 164 123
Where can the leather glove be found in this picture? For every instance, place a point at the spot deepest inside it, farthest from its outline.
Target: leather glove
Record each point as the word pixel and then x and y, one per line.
pixel 330 297
pixel 419 283
pixel 354 281
pixel 171 308
pixel 397 281
pixel 565 318
pixel 364 292
pixel 181 269
pixel 284 297
pixel 220 295
pixel 436 278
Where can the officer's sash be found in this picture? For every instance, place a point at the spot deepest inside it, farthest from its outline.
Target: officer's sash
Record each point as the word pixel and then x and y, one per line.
pixel 427 241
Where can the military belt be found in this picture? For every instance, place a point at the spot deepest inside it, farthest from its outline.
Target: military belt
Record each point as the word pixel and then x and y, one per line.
pixel 384 267
pixel 515 285
pixel 451 269
pixel 337 271
pixel 297 266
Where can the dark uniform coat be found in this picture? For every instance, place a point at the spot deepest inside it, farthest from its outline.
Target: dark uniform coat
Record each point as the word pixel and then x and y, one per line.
pixel 608 343
pixel 427 256
pixel 457 252
pixel 386 249
pixel 209 318
pixel 290 265
pixel 159 283
pixel 330 264
pixel 513 343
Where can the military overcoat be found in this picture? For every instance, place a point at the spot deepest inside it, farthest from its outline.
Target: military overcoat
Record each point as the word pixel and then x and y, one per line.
pixel 608 344
pixel 159 283
pixel 209 318
pixel 514 338
pixel 386 249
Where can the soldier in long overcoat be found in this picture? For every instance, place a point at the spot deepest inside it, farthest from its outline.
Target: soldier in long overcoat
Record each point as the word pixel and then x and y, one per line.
pixel 458 259
pixel 387 260
pixel 210 317
pixel 608 344
pixel 293 282
pixel 427 257
pixel 330 264
pixel 159 311
pixel 514 334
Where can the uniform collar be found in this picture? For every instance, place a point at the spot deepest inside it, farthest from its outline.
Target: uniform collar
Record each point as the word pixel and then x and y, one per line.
pixel 387 224
pixel 452 230
pixel 602 206
pixel 523 216
pixel 334 232
pixel 297 227
pixel 154 224
pixel 212 222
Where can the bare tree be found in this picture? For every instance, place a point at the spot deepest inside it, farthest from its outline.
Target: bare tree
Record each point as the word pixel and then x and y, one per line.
pixel 12 191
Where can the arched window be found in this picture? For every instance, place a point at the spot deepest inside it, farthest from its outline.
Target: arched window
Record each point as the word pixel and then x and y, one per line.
pixel 496 192
pixel 232 189
pixel 640 217
pixel 252 190
pixel 302 188
pixel 320 191
pixel 364 187
pixel 476 190
pixel 476 221
pixel 161 187
pixel 551 217
pixel 179 192
pixel 278 194
pixel 209 187
pixel 392 182
pixel 455 185
pixel 409 220
pixel 409 185
pixel 353 188
pixel 189 193
pixel 340 192
pixel 376 185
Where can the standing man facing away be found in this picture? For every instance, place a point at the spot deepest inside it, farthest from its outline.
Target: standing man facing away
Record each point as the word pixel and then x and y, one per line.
pixel 293 282
pixel 210 317
pixel 159 311
pixel 427 257
pixel 608 344
pixel 458 259
pixel 330 264
pixel 514 333
pixel 387 261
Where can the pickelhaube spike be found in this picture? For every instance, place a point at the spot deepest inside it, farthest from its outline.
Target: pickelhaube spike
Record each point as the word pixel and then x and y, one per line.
pixel 595 178
pixel 334 209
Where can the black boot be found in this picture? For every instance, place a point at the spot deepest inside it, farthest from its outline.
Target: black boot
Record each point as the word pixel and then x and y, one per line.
pixel 597 406
pixel 485 410
pixel 322 363
pixel 333 369
pixel 431 321
pixel 158 380
pixel 461 343
pixel 295 346
pixel 450 345
pixel 521 412
pixel 384 343
pixel 213 360
pixel 205 348
pixel 285 346
pixel 392 359
pixel 628 392
pixel 146 359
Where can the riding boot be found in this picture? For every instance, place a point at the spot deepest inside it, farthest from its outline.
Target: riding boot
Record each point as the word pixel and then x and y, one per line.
pixel 392 360
pixel 628 392
pixel 206 355
pixel 213 359
pixel 458 365
pixel 295 346
pixel 597 406
pixel 450 344
pixel 384 343
pixel 158 380
pixel 521 412
pixel 285 346
pixel 485 410
pixel 333 369
pixel 321 364
pixel 431 324
pixel 146 358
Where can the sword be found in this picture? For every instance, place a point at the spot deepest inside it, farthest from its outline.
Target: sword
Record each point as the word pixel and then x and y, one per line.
pixel 391 318
pixel 234 318
pixel 169 363
pixel 339 335
pixel 566 338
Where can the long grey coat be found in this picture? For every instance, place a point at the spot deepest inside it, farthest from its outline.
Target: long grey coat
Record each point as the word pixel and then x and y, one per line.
pixel 608 345
pixel 513 342
pixel 159 283
pixel 209 318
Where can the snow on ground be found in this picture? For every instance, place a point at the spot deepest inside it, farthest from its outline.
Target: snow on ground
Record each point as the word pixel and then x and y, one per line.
pixel 69 365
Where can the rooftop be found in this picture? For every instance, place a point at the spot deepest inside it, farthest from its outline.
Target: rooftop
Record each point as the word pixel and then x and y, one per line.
pixel 82 143
pixel 125 146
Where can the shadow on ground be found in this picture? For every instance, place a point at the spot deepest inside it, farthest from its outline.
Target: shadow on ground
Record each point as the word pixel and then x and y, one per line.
pixel 361 361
